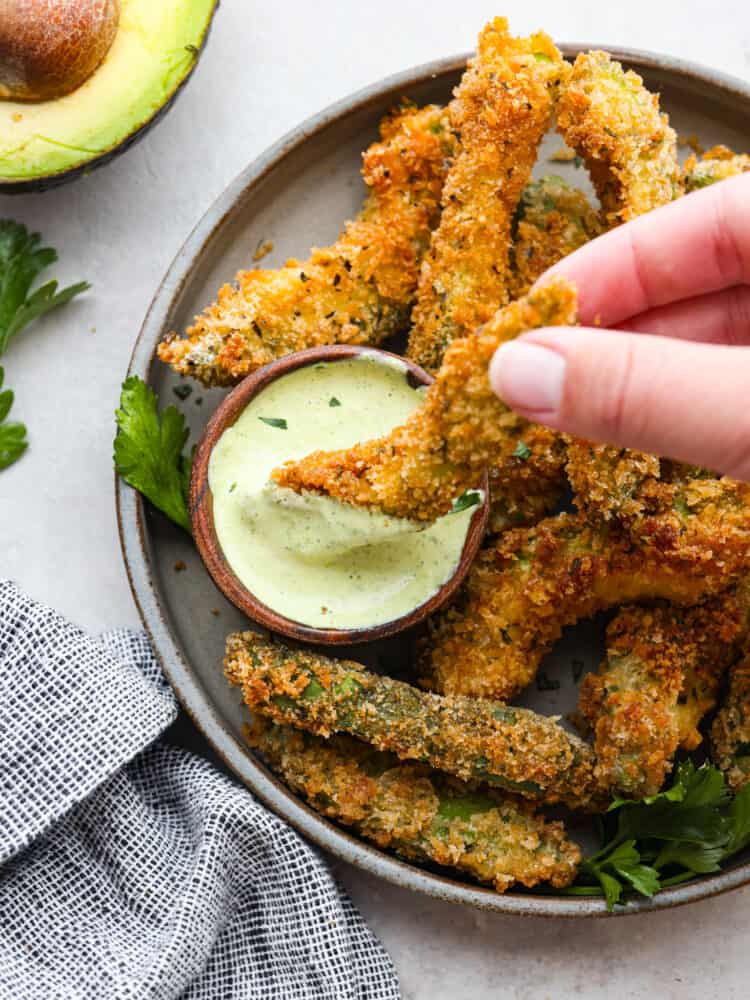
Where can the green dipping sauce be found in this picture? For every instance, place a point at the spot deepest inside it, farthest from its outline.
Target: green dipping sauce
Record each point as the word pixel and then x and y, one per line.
pixel 313 559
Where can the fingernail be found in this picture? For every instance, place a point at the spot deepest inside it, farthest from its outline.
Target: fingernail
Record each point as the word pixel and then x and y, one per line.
pixel 528 376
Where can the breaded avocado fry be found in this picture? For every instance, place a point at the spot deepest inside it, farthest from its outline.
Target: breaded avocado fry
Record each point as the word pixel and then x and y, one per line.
pixel 358 291
pixel 692 542
pixel 527 483
pixel 501 110
pixel 609 118
pixel 512 748
pixel 607 480
pixel 460 429
pixel 730 732
pixel 717 164
pixel 610 482
pixel 418 812
pixel 552 220
pixel 662 674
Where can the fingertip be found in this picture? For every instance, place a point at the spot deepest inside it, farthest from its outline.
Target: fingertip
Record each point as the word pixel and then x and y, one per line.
pixel 528 377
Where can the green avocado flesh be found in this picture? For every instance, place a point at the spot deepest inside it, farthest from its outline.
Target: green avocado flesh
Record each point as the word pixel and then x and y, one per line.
pixel 156 46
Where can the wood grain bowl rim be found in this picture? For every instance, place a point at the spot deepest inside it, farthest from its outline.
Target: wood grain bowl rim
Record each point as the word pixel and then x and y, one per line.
pixel 135 543
pixel 204 530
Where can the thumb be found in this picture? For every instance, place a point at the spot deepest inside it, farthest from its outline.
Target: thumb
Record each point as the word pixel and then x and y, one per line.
pixel 675 398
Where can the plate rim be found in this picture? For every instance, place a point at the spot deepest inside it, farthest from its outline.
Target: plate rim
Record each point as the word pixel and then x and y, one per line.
pixel 134 544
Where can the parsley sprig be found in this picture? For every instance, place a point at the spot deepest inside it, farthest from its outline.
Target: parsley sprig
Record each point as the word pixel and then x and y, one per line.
pixel 689 829
pixel 21 260
pixel 13 441
pixel 148 450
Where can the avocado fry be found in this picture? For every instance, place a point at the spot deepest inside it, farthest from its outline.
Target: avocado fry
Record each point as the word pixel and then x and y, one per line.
pixel 716 165
pixel 607 480
pixel 512 748
pixel 609 118
pixel 419 813
pixel 610 482
pixel 460 429
pixel 692 542
pixel 528 481
pixel 730 731
pixel 662 674
pixel 501 110
pixel 552 220
pixel 358 291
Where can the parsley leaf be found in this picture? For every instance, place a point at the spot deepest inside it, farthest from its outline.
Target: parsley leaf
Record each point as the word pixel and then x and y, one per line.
pixel 612 888
pixel 279 422
pixel 522 451
pixel 695 858
pixel 688 829
pixel 148 450
pixel 620 867
pixel 13 441
pixel 468 499
pixel 334 402
pixel 21 260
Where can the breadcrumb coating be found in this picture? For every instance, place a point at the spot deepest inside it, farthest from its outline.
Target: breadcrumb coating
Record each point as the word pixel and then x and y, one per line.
pixel 528 482
pixel 717 164
pixel 512 748
pixel 358 291
pixel 730 732
pixel 501 110
pixel 692 541
pixel 607 480
pixel 662 674
pixel 612 482
pixel 419 813
pixel 609 118
pixel 552 220
pixel 460 429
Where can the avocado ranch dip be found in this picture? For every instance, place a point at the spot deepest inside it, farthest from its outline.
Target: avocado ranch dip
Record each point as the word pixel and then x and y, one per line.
pixel 311 558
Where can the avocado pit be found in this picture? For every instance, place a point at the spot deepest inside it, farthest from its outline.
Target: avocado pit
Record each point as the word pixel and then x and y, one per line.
pixel 48 48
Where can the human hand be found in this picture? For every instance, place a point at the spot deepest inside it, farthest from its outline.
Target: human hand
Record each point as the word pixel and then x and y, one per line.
pixel 674 377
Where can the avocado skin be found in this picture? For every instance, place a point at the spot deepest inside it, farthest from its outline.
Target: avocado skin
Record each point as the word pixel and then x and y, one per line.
pixel 46 183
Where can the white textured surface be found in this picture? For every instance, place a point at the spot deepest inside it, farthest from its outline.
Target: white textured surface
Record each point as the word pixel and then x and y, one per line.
pixel 268 66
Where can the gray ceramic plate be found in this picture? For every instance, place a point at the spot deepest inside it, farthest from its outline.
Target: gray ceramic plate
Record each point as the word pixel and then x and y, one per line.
pixel 297 195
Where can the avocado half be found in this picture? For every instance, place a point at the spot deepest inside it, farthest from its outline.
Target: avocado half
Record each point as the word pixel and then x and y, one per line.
pixel 155 49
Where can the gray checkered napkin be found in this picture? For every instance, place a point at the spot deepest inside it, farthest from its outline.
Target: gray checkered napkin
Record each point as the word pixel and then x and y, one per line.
pixel 132 869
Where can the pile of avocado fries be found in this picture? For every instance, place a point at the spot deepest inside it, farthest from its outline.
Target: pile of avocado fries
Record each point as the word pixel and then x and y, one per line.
pixel 446 770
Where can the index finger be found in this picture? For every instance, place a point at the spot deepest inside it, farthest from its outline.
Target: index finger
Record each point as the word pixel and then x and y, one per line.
pixel 697 244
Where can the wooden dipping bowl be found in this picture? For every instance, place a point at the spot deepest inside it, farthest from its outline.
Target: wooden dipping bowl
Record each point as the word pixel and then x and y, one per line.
pixel 201 512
